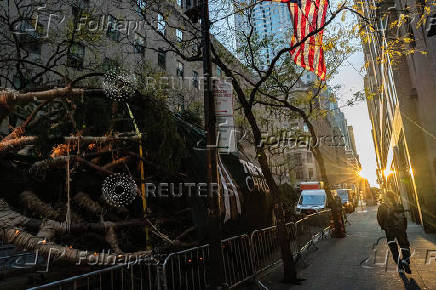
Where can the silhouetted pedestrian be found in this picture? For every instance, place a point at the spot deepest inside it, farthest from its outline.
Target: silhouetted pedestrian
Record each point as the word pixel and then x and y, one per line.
pixel 340 208
pixel 393 221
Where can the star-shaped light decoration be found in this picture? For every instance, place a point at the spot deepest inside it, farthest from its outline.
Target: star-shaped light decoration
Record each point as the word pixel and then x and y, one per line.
pixel 119 85
pixel 119 190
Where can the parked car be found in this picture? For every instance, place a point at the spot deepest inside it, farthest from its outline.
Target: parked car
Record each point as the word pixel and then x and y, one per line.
pixel 311 201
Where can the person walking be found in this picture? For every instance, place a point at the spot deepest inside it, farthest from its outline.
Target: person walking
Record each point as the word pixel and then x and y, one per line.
pixel 339 205
pixel 392 219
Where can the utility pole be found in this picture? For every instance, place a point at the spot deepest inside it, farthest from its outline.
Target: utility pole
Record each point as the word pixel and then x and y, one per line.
pixel 215 264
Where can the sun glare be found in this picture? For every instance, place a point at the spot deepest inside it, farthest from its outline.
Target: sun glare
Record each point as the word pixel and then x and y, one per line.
pixel 361 174
pixel 388 172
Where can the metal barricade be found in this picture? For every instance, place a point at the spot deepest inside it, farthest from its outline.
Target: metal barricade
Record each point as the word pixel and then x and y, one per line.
pixel 144 276
pixel 186 269
pixel 303 234
pixel 292 232
pixel 319 224
pixel 311 229
pixel 265 248
pixel 238 262
pixel 244 256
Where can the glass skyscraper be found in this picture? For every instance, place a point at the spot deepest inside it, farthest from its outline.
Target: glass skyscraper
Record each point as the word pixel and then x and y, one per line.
pixel 272 21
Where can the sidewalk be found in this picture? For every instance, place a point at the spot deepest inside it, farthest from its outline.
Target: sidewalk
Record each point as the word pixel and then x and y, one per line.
pixel 358 261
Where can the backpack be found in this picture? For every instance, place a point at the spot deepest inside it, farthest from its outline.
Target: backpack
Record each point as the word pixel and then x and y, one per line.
pixel 382 215
pixel 398 217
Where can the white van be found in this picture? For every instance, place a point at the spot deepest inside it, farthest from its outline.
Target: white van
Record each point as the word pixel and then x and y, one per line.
pixel 311 201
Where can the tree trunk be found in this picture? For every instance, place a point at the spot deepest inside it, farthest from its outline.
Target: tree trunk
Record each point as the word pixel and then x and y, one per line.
pixel 289 270
pixel 339 227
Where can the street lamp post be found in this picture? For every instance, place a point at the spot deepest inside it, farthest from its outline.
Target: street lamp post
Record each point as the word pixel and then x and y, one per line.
pixel 215 265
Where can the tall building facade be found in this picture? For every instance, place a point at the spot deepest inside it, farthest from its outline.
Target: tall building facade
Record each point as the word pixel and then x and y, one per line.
pixel 401 94
pixel 107 34
pixel 296 161
pixel 271 21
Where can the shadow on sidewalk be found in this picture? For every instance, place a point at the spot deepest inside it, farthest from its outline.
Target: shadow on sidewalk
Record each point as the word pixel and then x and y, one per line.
pixel 409 284
pixel 301 263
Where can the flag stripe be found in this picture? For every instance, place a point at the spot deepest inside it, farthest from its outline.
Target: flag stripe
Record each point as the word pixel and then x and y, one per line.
pixel 309 27
pixel 295 7
pixel 307 17
pixel 303 27
pixel 323 9
pixel 322 71
pixel 313 38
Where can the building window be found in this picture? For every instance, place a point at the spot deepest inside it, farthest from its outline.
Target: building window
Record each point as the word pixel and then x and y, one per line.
pixel 82 4
pixel 141 4
pixel 298 160
pixel 112 29
pixel 218 71
pixel 33 47
pixel 161 24
pixel 139 44
pixel 140 7
pixel 76 55
pixel 309 157
pixel 162 59
pixel 191 4
pixel 23 80
pixel 196 49
pixel 180 103
pixel 109 64
pixel 298 174
pixel 180 70
pixel 195 79
pixel 179 35
pixel 310 173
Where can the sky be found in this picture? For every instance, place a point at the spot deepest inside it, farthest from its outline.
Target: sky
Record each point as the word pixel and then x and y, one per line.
pixel 350 77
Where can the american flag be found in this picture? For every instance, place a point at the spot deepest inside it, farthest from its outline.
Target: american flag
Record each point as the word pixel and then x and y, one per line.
pixel 308 16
